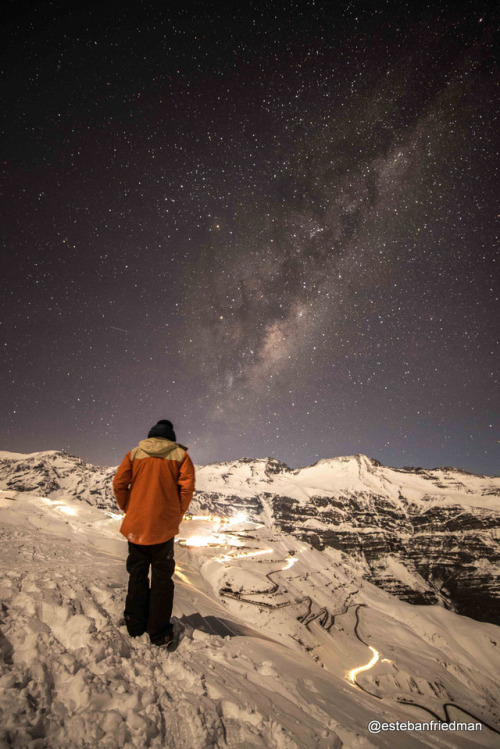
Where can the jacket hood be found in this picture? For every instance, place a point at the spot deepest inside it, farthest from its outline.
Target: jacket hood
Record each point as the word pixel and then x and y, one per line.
pixel 159 446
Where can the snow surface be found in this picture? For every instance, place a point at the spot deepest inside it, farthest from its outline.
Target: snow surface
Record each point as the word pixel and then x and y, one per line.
pixel 257 667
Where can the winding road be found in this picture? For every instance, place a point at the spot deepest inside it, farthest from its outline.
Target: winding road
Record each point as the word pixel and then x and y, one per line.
pixel 326 620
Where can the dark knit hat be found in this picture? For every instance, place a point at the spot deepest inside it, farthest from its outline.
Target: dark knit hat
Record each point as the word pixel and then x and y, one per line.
pixel 163 428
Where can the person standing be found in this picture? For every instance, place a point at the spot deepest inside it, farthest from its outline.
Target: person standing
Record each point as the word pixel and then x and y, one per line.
pixel 153 485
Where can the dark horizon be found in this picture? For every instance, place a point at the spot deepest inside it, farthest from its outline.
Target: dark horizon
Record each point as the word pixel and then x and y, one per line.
pixel 275 226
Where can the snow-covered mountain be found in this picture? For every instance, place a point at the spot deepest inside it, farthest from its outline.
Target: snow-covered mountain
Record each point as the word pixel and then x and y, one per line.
pixel 54 473
pixel 289 645
pixel 426 536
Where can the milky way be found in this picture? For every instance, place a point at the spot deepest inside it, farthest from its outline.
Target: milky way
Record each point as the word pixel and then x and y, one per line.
pixel 275 227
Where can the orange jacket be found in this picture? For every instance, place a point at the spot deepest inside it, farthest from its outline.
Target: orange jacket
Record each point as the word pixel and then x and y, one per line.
pixel 154 485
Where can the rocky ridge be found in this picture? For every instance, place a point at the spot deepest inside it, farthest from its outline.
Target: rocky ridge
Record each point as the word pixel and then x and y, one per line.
pixel 56 474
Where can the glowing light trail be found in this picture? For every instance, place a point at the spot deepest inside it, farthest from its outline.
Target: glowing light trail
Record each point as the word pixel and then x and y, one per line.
pixel 240 517
pixel 243 554
pixel 182 577
pixel 68 510
pixel 59 505
pixel 376 656
pixel 204 541
pixel 290 562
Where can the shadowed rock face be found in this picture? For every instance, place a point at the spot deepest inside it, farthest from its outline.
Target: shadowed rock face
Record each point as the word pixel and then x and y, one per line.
pixel 452 552
pixel 421 544
pixel 424 550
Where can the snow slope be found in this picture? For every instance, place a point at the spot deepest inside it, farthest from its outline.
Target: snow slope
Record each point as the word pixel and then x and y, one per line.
pixel 264 663
pixel 349 475
pixel 426 536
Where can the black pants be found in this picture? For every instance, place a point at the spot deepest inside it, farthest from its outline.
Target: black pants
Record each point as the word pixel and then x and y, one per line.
pixel 148 609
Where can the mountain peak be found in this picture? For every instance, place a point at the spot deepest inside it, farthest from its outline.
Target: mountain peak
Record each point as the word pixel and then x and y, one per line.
pixel 359 458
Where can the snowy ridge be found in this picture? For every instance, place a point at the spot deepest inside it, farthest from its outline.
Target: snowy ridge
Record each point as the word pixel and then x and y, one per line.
pixel 54 473
pixel 426 536
pixel 351 474
pixel 273 629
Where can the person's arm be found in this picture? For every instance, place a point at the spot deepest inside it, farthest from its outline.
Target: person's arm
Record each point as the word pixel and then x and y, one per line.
pixel 185 482
pixel 121 482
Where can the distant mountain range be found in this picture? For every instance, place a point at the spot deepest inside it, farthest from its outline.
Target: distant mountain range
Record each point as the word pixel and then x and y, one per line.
pixel 425 536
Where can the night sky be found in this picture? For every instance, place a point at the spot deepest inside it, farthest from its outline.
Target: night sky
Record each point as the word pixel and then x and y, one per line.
pixel 275 226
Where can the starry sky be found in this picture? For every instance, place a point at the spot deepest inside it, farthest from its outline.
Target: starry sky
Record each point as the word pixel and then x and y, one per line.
pixel 274 226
